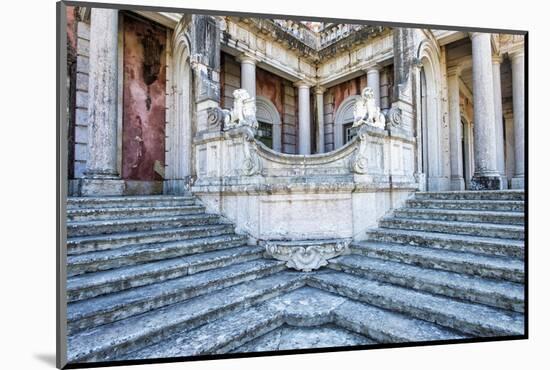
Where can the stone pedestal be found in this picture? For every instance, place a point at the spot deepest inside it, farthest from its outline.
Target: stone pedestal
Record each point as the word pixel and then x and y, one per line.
pixel 455 128
pixel 319 91
pixel 518 70
pixel 101 176
pixel 486 176
pixel 499 124
pixel 304 121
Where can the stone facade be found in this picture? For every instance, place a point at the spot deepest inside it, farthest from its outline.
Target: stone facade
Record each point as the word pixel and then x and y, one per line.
pixel 260 149
pixel 452 104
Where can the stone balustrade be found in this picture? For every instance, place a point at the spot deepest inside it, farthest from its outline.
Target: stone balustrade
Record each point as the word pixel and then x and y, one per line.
pixel 275 196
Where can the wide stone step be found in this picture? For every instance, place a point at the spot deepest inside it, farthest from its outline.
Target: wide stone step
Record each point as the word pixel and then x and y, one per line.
pixel 473 195
pixel 463 228
pixel 110 341
pixel 86 228
pixel 469 318
pixel 505 268
pixel 135 254
pixel 130 201
pixel 288 337
pixel 212 338
pixel 480 205
pixel 464 243
pixel 500 294
pixel 91 214
pixel 112 307
pixel 85 244
pixel 512 218
pixel 104 282
pixel 308 311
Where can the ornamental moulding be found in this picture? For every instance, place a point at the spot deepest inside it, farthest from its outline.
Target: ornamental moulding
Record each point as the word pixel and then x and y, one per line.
pixel 306 255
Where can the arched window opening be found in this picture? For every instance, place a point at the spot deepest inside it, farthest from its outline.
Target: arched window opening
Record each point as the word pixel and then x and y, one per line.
pixel 269 123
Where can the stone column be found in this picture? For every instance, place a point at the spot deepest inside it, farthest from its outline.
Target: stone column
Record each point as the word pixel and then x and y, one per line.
pixel 248 74
pixel 486 176
pixel 373 81
pixel 101 176
pixel 455 128
pixel 518 71
pixel 499 126
pixel 304 122
pixel 319 91
pixel 384 92
pixel 510 146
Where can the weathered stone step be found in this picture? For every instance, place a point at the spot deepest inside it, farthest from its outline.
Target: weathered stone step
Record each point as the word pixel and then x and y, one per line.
pixel 86 228
pixel 113 340
pixel 505 268
pixel 473 195
pixel 289 337
pixel 130 201
pixel 469 318
pixel 92 214
pixel 135 254
pixel 480 205
pixel 489 246
pixel 85 244
pixel 512 218
pixel 305 309
pixel 500 294
pixel 104 282
pixel 213 337
pixel 463 228
pixel 112 307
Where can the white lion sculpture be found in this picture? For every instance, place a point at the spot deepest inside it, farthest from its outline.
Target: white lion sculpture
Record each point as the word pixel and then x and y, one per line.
pixel 366 111
pixel 243 112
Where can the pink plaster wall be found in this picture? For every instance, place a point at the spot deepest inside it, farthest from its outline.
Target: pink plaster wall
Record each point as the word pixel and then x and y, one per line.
pixel 144 99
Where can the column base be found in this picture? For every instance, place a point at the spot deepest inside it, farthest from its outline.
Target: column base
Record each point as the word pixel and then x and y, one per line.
pixel 518 182
pixel 504 182
pixel 176 187
pixel 102 187
pixel 457 183
pixel 490 182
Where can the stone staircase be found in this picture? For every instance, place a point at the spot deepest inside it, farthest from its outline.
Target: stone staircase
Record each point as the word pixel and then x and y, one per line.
pixel 157 276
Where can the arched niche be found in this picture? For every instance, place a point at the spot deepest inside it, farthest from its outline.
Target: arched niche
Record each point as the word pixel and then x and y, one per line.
pixel 179 128
pixel 431 117
pixel 267 113
pixel 343 116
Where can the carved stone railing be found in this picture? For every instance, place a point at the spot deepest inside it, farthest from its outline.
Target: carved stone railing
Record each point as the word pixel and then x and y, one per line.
pixel 276 196
pixel 336 31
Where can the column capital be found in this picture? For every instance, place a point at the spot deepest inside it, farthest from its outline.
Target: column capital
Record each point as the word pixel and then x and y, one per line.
pixel 497 59
pixel 476 34
pixel 455 70
pixel 247 58
pixel 302 84
pixel 516 54
pixel 320 90
pixel 372 67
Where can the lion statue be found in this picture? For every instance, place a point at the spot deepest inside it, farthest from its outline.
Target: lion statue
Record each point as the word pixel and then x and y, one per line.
pixel 366 111
pixel 243 112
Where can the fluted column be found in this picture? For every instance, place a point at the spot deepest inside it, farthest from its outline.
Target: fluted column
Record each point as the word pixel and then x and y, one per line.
pixel 455 128
pixel 101 166
pixel 486 175
pixel 373 81
pixel 304 121
pixel 248 74
pixel 518 70
pixel 319 91
pixel 499 126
